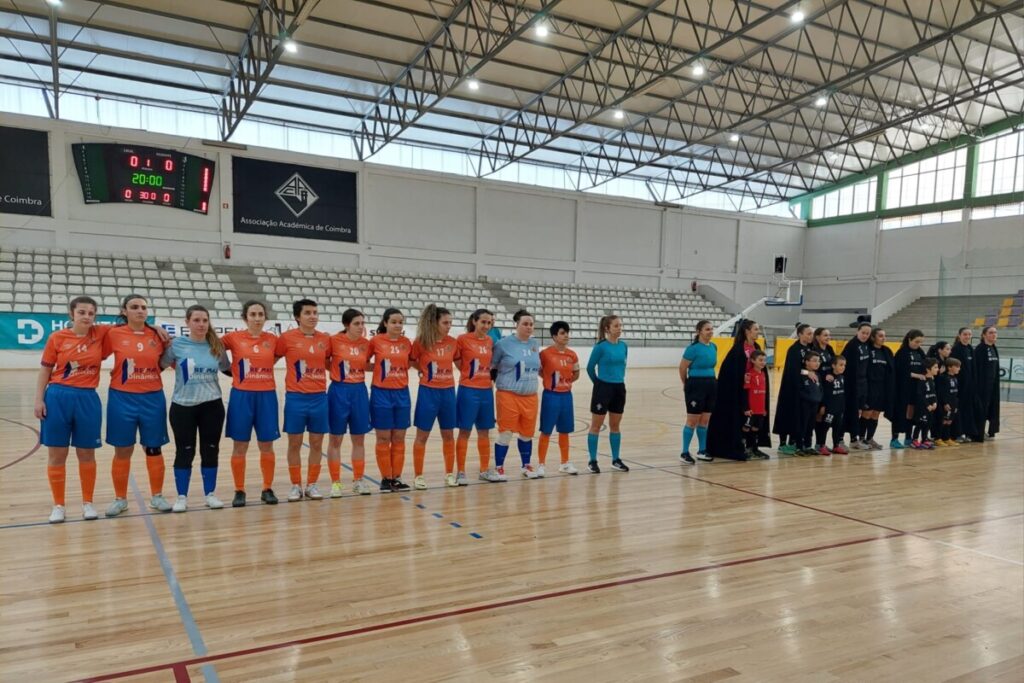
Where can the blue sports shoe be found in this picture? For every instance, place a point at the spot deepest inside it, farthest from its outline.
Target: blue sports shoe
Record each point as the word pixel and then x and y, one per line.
pixel 895 444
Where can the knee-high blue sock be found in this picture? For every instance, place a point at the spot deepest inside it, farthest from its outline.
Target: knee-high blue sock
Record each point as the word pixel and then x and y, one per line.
pixel 702 438
pixel 500 451
pixel 687 438
pixel 615 439
pixel 592 446
pixel 525 450
pixel 181 477
pixel 209 479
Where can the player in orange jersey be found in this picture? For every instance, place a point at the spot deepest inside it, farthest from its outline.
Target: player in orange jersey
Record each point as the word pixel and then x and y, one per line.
pixel 390 406
pixel 474 400
pixel 67 404
pixel 559 368
pixel 307 354
pixel 348 401
pixel 434 354
pixel 136 406
pixel 253 402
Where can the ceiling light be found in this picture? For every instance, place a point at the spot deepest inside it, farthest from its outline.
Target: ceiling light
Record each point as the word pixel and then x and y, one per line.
pixel 734 137
pixel 473 84
pixel 698 70
pixel 541 30
pixel 796 17
pixel 290 46
pixel 53 3
pixel 821 101
pixel 619 114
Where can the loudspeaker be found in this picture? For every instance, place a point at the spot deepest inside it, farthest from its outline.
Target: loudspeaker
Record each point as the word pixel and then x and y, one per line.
pixel 780 264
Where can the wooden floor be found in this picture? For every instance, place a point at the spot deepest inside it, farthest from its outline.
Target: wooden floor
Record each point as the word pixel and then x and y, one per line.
pixel 879 567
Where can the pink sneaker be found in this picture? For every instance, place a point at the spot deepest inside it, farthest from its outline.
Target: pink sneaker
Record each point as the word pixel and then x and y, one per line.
pixel 822 450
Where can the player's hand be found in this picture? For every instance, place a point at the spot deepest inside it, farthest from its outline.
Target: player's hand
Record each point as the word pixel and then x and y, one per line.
pixel 40 410
pixel 162 333
pixel 830 378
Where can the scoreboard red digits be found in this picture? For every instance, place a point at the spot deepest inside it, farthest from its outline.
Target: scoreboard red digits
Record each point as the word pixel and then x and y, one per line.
pixel 144 175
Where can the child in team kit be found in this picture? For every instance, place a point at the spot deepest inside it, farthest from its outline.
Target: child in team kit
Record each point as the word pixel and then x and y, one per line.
pixel 559 368
pixel 926 401
pixel 833 407
pixel 947 387
pixel 810 398
pixel 756 393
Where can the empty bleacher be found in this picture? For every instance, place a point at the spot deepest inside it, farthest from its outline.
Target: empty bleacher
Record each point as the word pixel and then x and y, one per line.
pixel 941 317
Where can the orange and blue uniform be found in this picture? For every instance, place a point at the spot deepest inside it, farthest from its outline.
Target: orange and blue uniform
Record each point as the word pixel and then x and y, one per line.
pixel 390 405
pixel 348 400
pixel 306 360
pixel 253 401
pixel 556 371
pixel 435 399
pixel 73 411
pixel 474 401
pixel 136 402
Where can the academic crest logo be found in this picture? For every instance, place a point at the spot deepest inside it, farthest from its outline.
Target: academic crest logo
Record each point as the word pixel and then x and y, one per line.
pixel 297 195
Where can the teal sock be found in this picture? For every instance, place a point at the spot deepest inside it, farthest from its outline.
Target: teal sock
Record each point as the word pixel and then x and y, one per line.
pixel 592 446
pixel 687 438
pixel 702 439
pixel 615 439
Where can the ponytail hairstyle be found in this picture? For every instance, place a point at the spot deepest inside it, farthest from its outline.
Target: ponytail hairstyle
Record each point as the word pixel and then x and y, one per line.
pixel 428 329
pixel 985 330
pixel 216 345
pixel 697 328
pixel 874 334
pixel 817 333
pixel 933 352
pixel 122 317
pixel 604 326
pixel 800 328
pixel 739 335
pixel 388 312
pixel 475 317
pixel 348 316
pixel 911 334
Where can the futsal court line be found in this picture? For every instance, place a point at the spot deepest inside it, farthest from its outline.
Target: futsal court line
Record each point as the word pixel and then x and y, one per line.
pixel 34 448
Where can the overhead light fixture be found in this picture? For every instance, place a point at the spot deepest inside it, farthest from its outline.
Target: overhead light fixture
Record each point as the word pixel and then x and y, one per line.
pixel 796 17
pixel 290 45
pixel 541 30
pixel 473 84
pixel 821 101
pixel 734 137
pixel 698 70
pixel 619 114
pixel 53 3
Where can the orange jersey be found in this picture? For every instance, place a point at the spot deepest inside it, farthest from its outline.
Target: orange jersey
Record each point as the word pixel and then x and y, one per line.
pixel 437 364
pixel 306 360
pixel 75 361
pixel 252 360
pixel 392 359
pixel 557 368
pixel 349 359
pixel 136 359
pixel 475 360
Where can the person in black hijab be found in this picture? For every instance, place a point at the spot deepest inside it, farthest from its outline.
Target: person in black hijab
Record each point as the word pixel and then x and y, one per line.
pixel 964 352
pixel 787 412
pixel 986 368
pixel 725 429
pixel 909 369
pixel 856 354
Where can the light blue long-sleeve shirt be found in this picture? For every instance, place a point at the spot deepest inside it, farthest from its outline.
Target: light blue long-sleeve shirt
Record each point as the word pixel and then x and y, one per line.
pixel 608 362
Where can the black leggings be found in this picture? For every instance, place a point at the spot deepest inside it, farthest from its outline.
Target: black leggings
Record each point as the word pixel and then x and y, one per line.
pixel 806 412
pixel 207 419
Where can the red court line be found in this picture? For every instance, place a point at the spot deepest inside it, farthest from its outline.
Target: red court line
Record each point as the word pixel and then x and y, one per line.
pixel 181 674
pixel 34 448
pixel 980 520
pixel 438 616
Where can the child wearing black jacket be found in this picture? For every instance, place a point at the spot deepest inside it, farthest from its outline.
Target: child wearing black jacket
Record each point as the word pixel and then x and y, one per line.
pixel 833 405
pixel 926 400
pixel 809 393
pixel 947 386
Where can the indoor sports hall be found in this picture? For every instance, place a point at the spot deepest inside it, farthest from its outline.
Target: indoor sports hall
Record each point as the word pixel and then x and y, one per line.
pixel 512 340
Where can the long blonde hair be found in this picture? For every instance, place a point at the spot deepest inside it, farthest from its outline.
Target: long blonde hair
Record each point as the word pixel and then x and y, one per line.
pixel 604 326
pixel 216 345
pixel 428 331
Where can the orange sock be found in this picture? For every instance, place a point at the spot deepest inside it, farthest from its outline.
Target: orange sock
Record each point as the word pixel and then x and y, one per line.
pixel 383 452
pixel 87 473
pixel 57 474
pixel 419 454
pixel 238 471
pixel 542 448
pixel 267 461
pixel 312 473
pixel 295 474
pixel 461 449
pixel 358 467
pixel 563 446
pixel 448 448
pixel 155 466
pixel 334 468
pixel 483 446
pixel 397 458
pixel 119 471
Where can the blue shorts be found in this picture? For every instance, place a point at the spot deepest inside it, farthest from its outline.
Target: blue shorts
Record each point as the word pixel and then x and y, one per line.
pixel 390 408
pixel 248 410
pixel 435 404
pixel 73 417
pixel 474 408
pixel 349 408
pixel 306 413
pixel 556 410
pixel 129 414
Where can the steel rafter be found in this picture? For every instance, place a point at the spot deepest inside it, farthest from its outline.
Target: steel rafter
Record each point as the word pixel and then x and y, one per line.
pixel 272 23
pixel 449 57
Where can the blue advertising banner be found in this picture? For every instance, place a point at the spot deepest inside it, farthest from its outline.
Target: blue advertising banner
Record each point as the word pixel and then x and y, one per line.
pixel 28 331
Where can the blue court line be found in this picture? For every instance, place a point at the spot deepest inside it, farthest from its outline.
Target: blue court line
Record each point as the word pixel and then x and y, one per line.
pixel 438 515
pixel 187 620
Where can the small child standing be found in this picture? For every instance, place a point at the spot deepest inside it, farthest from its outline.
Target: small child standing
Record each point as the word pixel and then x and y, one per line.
pixel 925 403
pixel 947 386
pixel 810 399
pixel 755 394
pixel 833 405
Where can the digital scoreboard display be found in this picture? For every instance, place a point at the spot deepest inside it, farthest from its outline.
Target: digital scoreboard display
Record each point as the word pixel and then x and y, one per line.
pixel 143 175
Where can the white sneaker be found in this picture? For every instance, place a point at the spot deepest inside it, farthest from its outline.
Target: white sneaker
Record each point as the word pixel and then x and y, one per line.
pixel 419 483
pixel 313 492
pixel 499 472
pixel 88 511
pixel 568 468
pixel 57 514
pixel 117 507
pixel 449 480
pixel 180 504
pixel 295 494
pixel 361 487
pixel 491 476
pixel 159 503
pixel 213 502
pixel 528 472
pixel 462 479
pixel 541 472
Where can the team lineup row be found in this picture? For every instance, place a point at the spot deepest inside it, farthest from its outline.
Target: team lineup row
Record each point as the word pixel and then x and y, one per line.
pixel 69 409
